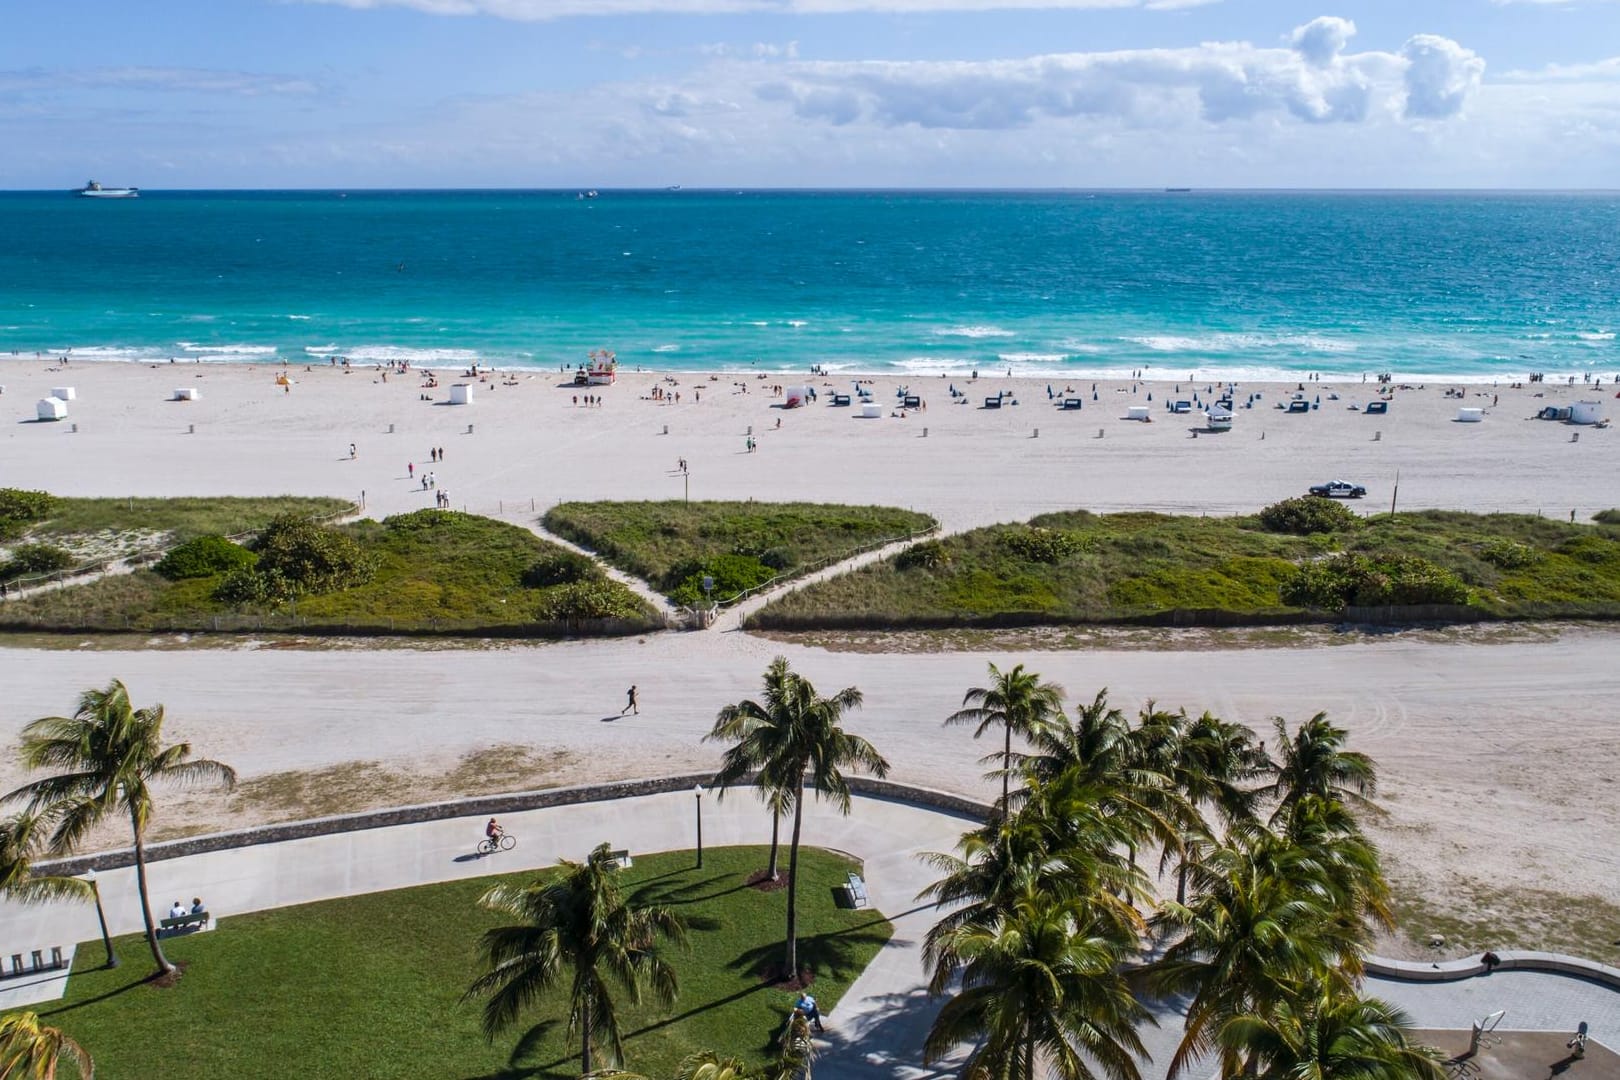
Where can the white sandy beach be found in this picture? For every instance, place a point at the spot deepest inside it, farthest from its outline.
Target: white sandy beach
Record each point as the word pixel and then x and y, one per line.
pixel 1497 756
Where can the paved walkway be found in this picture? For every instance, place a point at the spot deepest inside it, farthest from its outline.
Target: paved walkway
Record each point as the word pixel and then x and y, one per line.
pixel 878 1028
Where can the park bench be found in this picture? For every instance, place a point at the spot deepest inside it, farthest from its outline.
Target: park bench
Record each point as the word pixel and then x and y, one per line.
pixel 855 889
pixel 622 858
pixel 37 962
pixel 180 924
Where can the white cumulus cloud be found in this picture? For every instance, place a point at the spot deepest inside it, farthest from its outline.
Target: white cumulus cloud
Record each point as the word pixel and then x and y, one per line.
pixel 1441 75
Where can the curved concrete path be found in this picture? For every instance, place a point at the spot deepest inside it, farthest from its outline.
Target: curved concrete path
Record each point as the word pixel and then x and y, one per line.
pixel 877 1029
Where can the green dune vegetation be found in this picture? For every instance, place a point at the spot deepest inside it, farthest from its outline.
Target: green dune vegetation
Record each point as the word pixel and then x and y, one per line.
pixel 44 533
pixel 673 545
pixel 426 571
pixel 1300 559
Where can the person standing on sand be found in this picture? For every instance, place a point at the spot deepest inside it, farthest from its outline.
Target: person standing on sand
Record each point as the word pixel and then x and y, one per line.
pixel 351 451
pixel 631 705
pixel 410 470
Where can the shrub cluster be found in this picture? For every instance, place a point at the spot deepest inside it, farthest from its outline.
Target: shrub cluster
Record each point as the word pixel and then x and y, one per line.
pixel 732 574
pixel 578 601
pixel 1607 517
pixel 928 555
pixel 29 559
pixel 562 568
pixel 203 557
pixel 1035 544
pixel 1369 581
pixel 1509 554
pixel 297 557
pixel 20 508
pixel 1306 515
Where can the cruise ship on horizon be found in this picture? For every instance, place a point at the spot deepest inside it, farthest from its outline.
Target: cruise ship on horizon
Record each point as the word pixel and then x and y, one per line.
pixel 94 190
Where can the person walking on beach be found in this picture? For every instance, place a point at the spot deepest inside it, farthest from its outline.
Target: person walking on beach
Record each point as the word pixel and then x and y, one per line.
pixel 351 451
pixel 410 470
pixel 631 705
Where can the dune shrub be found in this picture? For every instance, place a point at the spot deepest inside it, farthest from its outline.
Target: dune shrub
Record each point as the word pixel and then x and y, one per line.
pixel 561 568
pixel 204 556
pixel 1035 544
pixel 1306 515
pixel 29 559
pixel 732 574
pixel 928 555
pixel 1366 581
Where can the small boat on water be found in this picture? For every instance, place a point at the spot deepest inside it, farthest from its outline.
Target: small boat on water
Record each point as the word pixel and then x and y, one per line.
pixel 93 190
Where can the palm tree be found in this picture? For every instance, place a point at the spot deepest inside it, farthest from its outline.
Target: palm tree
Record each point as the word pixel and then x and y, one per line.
pixel 20 841
pixel 1096 743
pixel 577 920
pixel 1261 924
pixel 1019 703
pixel 30 1050
pixel 1314 762
pixel 795 734
pixel 1210 762
pixel 733 724
pixel 1331 1035
pixel 110 754
pixel 1039 985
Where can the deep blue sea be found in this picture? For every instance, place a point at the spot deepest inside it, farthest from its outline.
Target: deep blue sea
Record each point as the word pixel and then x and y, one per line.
pixel 1221 283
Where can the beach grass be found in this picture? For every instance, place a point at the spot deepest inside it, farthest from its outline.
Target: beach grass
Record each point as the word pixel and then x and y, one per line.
pixel 432 570
pixel 673 544
pixel 1078 567
pixel 370 986
pixel 173 520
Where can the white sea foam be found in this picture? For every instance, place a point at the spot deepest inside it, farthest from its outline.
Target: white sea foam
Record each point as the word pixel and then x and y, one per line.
pixel 301 318
pixel 382 354
pixel 796 323
pixel 1221 343
pixel 195 349
pixel 322 350
pixel 1597 335
pixel 666 348
pixel 975 331
pixel 1031 358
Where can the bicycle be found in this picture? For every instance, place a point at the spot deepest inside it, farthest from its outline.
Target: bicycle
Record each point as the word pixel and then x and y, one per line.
pixel 489 845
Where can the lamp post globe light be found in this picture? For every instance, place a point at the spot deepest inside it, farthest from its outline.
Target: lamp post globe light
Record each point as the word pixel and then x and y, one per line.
pixel 101 917
pixel 697 789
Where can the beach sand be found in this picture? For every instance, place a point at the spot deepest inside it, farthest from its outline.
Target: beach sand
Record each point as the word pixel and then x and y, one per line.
pixel 1496 754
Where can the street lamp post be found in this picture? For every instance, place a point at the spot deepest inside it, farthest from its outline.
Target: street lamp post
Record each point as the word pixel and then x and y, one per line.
pixel 101 916
pixel 697 789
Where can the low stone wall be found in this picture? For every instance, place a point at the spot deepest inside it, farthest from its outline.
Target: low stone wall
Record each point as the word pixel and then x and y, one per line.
pixel 969 810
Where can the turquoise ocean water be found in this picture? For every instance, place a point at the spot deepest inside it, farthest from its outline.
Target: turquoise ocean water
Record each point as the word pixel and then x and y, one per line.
pixel 1046 283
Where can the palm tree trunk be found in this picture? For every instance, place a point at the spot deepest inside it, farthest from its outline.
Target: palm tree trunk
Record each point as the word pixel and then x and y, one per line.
pixel 585 1039
pixel 776 841
pixel 1029 1052
pixel 164 967
pixel 793 882
pixel 1006 772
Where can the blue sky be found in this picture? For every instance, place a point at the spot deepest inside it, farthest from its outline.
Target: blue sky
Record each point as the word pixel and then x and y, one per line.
pixel 605 93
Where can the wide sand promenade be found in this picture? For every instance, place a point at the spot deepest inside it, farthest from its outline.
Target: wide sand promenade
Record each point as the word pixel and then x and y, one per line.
pixel 1496 756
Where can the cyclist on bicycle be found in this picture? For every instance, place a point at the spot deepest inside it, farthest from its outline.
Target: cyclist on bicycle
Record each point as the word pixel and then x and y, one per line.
pixel 493 831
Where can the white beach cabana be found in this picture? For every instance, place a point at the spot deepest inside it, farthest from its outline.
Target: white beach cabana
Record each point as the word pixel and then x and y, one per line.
pixel 461 393
pixel 795 396
pixel 1586 412
pixel 1218 418
pixel 870 410
pixel 51 408
pixel 1470 416
pixel 187 393
pixel 1138 412
pixel 64 393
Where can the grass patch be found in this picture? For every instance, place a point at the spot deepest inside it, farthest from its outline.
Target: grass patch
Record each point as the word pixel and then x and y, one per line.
pixel 1476 916
pixel 433 570
pixel 370 986
pixel 93 526
pixel 673 544
pixel 1080 567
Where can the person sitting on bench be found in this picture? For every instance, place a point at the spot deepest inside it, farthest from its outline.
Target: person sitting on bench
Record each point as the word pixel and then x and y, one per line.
pixel 178 911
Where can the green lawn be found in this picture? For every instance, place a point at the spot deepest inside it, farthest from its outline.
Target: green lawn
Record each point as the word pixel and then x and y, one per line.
pixel 1083 567
pixel 434 570
pixel 673 545
pixel 370 986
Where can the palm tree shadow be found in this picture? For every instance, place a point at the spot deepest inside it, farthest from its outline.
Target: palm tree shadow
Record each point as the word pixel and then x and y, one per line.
pixel 527 1044
pixel 669 894
pixel 547 1070
pixel 832 953
pixel 892 1041
pixel 114 992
